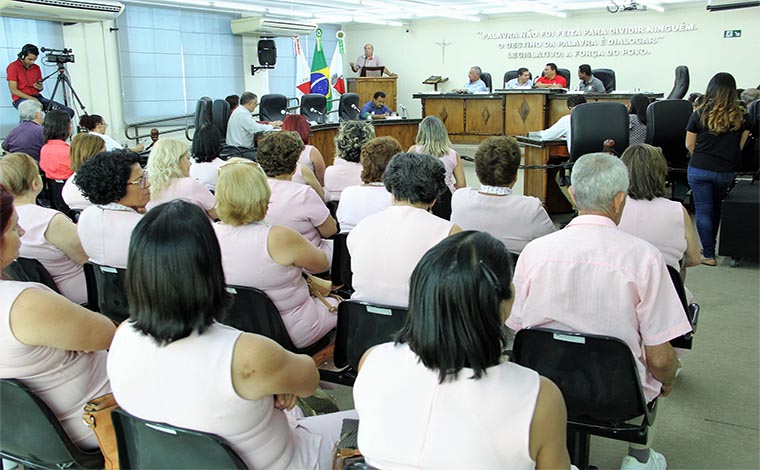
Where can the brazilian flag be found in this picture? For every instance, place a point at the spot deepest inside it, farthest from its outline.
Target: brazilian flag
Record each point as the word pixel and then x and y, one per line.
pixel 320 72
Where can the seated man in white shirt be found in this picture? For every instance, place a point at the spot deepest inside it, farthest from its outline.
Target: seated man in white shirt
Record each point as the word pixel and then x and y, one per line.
pixel 592 277
pixel 561 128
pixel 475 83
pixel 523 80
pixel 242 127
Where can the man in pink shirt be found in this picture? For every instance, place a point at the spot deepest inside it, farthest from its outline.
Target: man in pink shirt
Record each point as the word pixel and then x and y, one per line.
pixel 593 278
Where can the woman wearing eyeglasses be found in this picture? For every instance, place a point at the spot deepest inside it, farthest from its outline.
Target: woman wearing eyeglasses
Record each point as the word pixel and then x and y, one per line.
pixel 51 237
pixel 119 190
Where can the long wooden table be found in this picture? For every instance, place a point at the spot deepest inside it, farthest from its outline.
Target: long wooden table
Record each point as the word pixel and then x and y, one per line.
pixel 404 130
pixel 541 183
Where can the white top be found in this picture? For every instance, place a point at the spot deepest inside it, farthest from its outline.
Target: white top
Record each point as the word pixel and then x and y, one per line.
pixel 105 234
pixel 187 189
pixel 242 127
pixel 67 274
pixel 65 380
pixel 515 85
pixel 385 248
pixel 660 222
pixel 305 157
pixel 111 143
pixel 188 383
pixel 513 219
pixel 340 175
pixel 207 172
pixel 560 130
pixel 358 202
pixel 72 196
pixel 409 420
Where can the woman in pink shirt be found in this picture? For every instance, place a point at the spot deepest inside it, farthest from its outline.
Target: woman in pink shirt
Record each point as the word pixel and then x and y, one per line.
pixel 310 156
pixel 51 237
pixel 279 253
pixel 83 147
pixel 442 395
pixel 54 155
pixel 53 346
pixel 169 174
pixel 346 170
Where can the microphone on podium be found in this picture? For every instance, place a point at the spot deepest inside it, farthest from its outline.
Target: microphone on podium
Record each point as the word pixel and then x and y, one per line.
pixel 312 110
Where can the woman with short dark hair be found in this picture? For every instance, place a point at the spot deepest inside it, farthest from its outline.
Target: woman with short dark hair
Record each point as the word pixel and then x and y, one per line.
pixel 173 362
pixel 96 125
pixel 637 119
pixel 118 187
pixel 386 246
pixel 512 218
pixel 206 147
pixel 446 368
pixel 54 155
pixel 360 201
pixel 346 169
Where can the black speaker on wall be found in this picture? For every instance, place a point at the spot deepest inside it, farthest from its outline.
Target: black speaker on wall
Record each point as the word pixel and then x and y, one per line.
pixel 267 52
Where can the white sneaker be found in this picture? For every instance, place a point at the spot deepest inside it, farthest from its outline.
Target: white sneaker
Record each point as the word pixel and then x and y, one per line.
pixel 656 462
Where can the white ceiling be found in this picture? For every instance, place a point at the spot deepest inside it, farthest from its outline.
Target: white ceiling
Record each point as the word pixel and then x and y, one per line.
pixel 402 12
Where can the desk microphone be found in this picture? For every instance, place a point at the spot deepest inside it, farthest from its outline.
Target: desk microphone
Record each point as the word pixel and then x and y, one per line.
pixel 312 110
pixel 405 113
pixel 283 112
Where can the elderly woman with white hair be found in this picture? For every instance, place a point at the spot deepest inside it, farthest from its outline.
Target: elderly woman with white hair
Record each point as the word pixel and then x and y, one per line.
pixel 346 170
pixel 169 175
pixel 28 137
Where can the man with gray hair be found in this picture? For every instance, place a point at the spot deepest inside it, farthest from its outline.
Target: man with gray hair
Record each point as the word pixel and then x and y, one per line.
pixel 591 277
pixel 475 83
pixel 28 137
pixel 242 128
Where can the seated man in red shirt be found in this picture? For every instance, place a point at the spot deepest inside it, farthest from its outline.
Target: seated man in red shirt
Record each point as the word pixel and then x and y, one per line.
pixel 551 79
pixel 25 80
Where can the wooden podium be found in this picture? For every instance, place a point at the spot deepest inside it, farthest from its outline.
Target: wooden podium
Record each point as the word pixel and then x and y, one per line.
pixel 366 87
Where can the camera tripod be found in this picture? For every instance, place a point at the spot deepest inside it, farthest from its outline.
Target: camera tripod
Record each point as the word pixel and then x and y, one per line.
pixel 62 82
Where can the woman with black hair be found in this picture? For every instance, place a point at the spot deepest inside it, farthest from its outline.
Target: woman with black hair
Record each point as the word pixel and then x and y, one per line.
pixel 173 362
pixel 206 147
pixel 118 187
pixel 715 135
pixel 96 125
pixel 54 155
pixel 442 395
pixel 637 115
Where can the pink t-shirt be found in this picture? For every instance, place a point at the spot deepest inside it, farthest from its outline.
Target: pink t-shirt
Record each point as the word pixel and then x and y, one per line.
pixel 660 222
pixel 305 157
pixel 449 163
pixel 207 172
pixel 513 219
pixel 306 318
pixel 358 202
pixel 105 234
pixel 72 196
pixel 55 160
pixel 299 207
pixel 188 189
pixel 64 380
pixel 67 274
pixel 409 420
pixel 592 277
pixel 385 248
pixel 340 175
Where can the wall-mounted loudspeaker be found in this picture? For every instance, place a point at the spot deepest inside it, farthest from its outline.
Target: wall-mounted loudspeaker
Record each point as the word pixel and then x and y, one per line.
pixel 267 52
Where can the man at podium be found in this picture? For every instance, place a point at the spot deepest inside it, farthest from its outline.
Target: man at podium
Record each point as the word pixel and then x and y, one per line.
pixel 370 60
pixel 376 108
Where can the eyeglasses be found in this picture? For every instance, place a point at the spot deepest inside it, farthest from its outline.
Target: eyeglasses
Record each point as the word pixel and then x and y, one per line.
pixel 141 182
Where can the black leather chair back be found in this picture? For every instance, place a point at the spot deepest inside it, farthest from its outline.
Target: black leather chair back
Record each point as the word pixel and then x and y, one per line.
pixel 30 270
pixel 607 76
pixel 692 311
pixel 202 111
pixel 55 193
pixel 666 128
pixel 341 263
pixel 347 112
pixel 160 446
pixel 220 115
pixel 317 102
pixel 593 123
pixel 273 107
pixel 509 75
pixel 565 73
pixel 681 83
pixel 112 298
pixel 32 436
pixel 486 77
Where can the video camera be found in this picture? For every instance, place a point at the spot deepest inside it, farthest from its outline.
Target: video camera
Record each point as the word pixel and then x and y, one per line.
pixel 58 56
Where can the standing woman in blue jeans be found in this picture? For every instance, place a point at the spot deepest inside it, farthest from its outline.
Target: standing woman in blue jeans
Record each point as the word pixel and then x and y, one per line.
pixel 715 135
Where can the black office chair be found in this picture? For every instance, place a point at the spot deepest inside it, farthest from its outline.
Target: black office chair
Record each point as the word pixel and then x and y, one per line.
pixel 607 76
pixel 220 115
pixel 55 194
pixel 691 310
pixel 565 73
pixel 111 296
pixel 593 123
pixel 32 436
pixel 340 273
pixel 273 107
pixel 599 381
pixel 316 102
pixel 253 311
pixel 509 75
pixel 486 77
pixel 30 270
pixel 680 84
pixel 666 128
pixel 160 446
pixel 361 325
pixel 348 107
pixel 202 112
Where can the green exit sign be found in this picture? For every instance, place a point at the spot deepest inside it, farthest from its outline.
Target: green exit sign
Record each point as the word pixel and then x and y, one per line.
pixel 732 33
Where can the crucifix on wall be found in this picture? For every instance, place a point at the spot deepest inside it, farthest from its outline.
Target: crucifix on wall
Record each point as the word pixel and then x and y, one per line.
pixel 443 45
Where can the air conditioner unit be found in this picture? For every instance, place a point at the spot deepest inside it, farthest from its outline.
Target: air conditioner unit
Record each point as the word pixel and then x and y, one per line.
pixel 259 26
pixel 67 11
pixel 720 5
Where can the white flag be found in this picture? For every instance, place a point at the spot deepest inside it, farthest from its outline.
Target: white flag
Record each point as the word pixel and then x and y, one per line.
pixel 336 68
pixel 303 71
